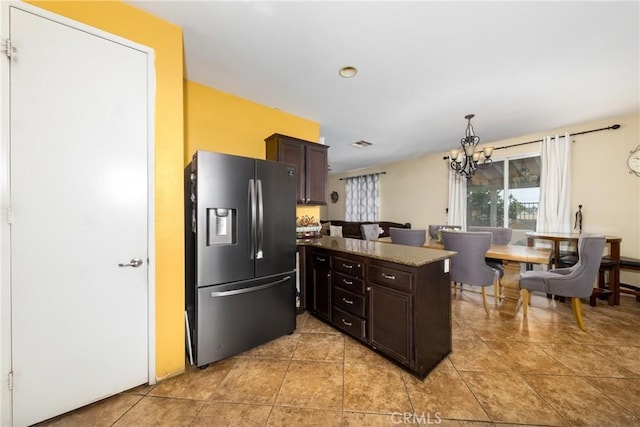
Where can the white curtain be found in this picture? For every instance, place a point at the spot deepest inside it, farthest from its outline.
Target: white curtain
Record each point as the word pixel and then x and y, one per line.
pixel 362 198
pixel 554 210
pixel 457 200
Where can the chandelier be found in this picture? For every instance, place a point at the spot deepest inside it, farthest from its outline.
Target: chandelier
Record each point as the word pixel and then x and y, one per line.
pixel 467 160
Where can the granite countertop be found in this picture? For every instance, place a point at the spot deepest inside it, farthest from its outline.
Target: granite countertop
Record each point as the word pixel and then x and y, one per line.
pixel 400 254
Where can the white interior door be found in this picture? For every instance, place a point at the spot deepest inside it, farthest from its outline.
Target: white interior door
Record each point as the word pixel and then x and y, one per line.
pixel 78 186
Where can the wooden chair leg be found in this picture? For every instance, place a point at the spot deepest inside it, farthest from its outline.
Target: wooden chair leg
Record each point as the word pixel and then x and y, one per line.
pixel 576 305
pixel 525 301
pixel 592 298
pixel 496 292
pixel 484 299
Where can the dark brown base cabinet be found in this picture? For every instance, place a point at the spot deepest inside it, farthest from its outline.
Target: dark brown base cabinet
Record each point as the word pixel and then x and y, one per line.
pixel 402 312
pixel 392 338
pixel 321 284
pixel 348 300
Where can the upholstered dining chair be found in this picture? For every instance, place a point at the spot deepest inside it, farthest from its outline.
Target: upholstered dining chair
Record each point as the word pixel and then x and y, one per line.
pixel 575 282
pixel 501 236
pixel 370 231
pixel 408 236
pixel 469 267
pixel 433 229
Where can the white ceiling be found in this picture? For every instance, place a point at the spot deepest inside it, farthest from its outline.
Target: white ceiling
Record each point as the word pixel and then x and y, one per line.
pixel 521 67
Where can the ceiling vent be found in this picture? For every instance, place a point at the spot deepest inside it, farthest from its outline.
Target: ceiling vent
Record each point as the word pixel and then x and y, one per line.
pixel 362 144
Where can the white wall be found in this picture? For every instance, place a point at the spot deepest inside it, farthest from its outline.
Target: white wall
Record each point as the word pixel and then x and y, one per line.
pixel 416 190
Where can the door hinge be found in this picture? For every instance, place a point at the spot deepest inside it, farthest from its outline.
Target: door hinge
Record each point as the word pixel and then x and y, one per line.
pixel 8 48
pixel 10 380
pixel 9 216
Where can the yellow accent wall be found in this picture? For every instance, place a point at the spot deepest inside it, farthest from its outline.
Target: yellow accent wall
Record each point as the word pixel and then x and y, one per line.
pixel 166 41
pixel 221 122
pixel 311 211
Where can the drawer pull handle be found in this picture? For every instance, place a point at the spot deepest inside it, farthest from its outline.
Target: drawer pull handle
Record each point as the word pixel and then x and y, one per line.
pixel 347 282
pixel 345 323
pixel 321 259
pixel 348 301
pixel 347 265
pixel 389 276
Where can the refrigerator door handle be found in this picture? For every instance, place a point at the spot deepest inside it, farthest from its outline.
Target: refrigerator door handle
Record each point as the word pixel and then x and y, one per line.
pixel 251 289
pixel 260 231
pixel 253 209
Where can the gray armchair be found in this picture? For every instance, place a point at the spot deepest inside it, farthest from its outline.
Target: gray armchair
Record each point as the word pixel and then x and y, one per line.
pixel 501 236
pixel 408 236
pixel 433 229
pixel 370 231
pixel 469 266
pixel 575 282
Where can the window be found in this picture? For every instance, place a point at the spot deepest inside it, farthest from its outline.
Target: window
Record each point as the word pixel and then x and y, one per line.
pixel 514 179
pixel 362 197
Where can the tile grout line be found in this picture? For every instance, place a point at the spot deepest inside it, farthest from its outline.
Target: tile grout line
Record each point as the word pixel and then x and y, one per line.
pixel 406 390
pixel 471 391
pixel 127 411
pixel 275 398
pixel 581 378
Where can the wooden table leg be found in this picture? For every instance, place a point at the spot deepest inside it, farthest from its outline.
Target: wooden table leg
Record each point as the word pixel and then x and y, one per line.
pixel 614 274
pixel 511 288
pixel 556 254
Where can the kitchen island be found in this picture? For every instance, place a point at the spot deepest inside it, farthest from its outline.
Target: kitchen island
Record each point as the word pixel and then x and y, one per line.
pixel 395 299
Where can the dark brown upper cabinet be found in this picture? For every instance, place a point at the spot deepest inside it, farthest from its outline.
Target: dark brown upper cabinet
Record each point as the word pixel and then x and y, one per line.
pixel 310 160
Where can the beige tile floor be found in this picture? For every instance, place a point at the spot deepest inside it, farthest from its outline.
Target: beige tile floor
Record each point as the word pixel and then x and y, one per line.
pixel 540 370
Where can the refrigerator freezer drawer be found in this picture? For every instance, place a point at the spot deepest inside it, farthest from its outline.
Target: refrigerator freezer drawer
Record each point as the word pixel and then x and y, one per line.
pixel 233 318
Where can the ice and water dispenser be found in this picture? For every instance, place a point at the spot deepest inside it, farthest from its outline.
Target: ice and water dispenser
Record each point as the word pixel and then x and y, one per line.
pixel 221 226
pixel 221 222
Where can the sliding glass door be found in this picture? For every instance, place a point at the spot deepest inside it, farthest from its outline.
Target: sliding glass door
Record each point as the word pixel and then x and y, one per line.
pixel 514 180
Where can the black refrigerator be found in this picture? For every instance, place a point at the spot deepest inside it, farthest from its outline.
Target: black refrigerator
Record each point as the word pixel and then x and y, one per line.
pixel 240 246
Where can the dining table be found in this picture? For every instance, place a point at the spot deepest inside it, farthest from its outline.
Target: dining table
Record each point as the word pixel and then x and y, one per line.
pixel 513 258
pixel 558 238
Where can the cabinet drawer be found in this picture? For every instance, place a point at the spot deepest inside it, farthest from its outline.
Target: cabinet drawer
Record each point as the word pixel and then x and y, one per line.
pixel 349 302
pixel 353 325
pixel 349 267
pixel 321 259
pixel 349 283
pixel 391 277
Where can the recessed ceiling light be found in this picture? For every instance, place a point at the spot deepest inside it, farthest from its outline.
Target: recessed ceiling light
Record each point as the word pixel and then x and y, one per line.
pixel 348 72
pixel 362 144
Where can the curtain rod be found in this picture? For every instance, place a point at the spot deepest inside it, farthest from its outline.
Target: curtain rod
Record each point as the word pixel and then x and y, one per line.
pixel 358 176
pixel 616 126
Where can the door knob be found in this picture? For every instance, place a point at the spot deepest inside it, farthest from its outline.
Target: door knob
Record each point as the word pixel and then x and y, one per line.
pixel 135 262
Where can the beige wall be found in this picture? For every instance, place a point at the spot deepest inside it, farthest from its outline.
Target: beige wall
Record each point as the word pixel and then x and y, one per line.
pixel 416 190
